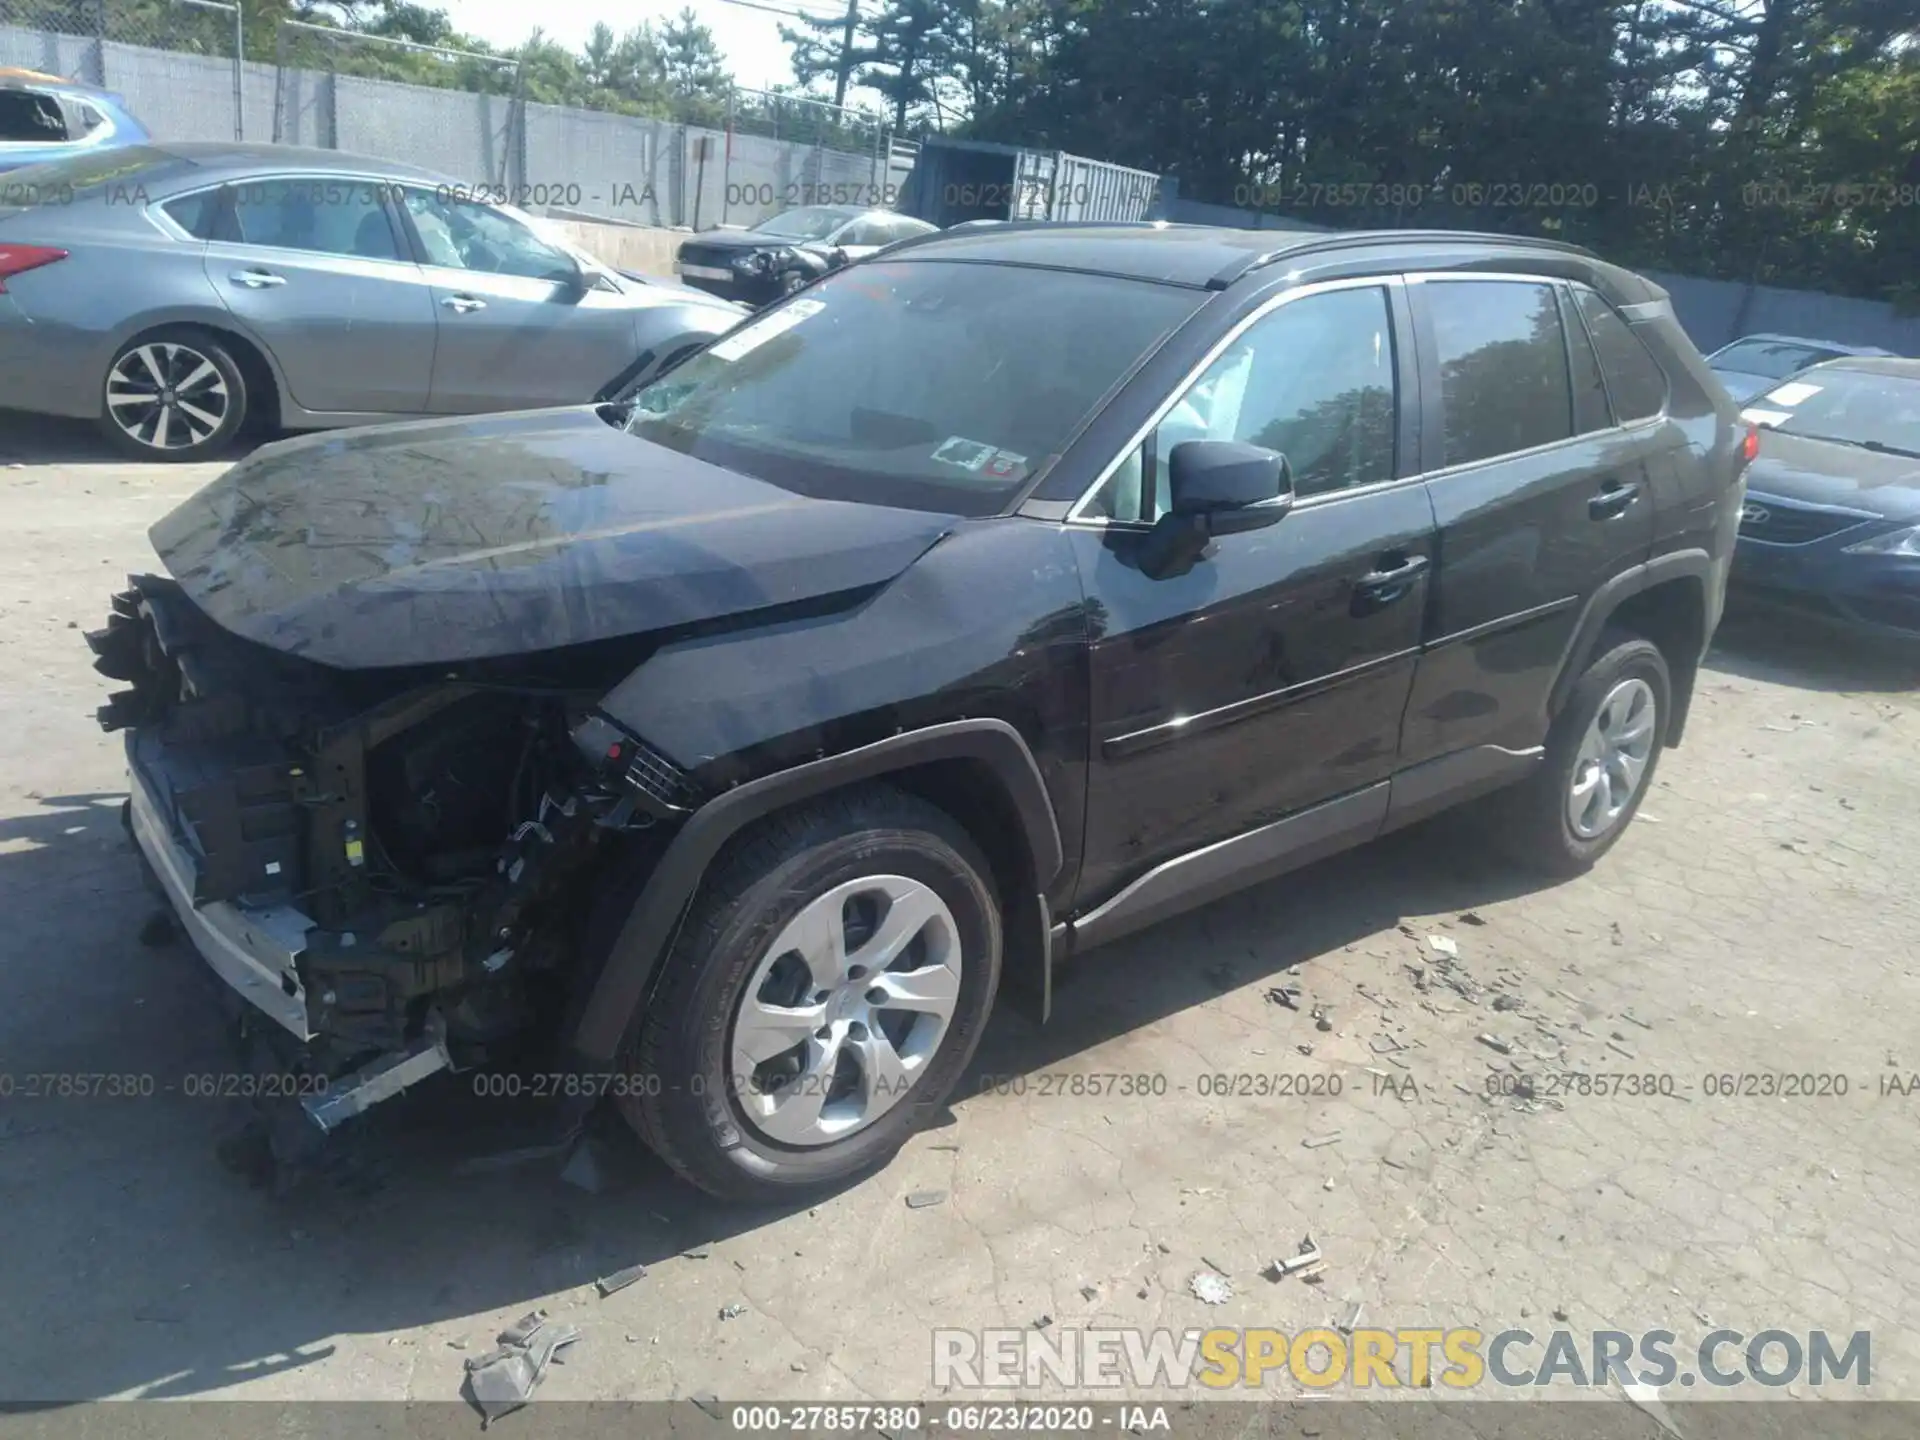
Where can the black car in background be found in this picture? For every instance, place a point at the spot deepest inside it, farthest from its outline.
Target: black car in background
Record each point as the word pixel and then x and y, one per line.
pixel 782 253
pixel 1831 525
pixel 1754 364
pixel 728 755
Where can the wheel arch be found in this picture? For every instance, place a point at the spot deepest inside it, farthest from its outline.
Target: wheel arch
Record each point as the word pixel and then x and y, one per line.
pixel 946 764
pixel 254 359
pixel 1665 601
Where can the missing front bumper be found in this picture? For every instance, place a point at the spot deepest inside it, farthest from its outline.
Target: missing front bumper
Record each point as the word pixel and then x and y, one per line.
pixel 253 949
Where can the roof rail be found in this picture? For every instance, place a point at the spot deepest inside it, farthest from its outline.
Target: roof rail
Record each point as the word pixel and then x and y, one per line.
pixel 1015 226
pixel 1341 239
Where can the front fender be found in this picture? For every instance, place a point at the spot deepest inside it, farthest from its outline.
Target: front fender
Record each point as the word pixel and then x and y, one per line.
pixel 643 940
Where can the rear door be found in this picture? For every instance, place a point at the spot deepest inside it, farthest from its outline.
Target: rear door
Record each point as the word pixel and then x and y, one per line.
pixel 1539 497
pixel 313 265
pixel 1273 674
pixel 518 328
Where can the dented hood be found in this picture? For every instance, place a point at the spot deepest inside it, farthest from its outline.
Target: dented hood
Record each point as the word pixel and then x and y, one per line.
pixel 478 538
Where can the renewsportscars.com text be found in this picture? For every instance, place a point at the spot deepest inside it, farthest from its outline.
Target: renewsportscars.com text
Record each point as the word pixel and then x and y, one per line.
pixel 1375 1358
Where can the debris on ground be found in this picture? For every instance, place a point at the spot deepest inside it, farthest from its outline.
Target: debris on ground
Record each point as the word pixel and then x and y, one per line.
pixel 1348 1325
pixel 1314 1142
pixel 1321 1020
pixel 1043 1322
pixel 733 1310
pixel 1506 1002
pixel 1495 1044
pixel 708 1402
pixel 503 1380
pixel 1088 1293
pixel 1210 1287
pixel 697 1252
pixel 1287 995
pixel 1304 1261
pixel 1472 917
pixel 583 1170
pixel 619 1280
pixel 1215 1266
pixel 921 1199
pixel 1444 945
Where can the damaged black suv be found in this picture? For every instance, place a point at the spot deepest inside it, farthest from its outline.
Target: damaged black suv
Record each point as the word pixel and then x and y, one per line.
pixel 726 752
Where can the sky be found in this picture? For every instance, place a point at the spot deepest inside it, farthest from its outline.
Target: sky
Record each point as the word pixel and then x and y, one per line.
pixel 750 39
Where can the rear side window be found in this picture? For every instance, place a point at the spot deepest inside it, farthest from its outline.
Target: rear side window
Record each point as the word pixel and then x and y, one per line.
pixel 1504 384
pixel 331 215
pixel 1634 378
pixel 195 214
pixel 32 118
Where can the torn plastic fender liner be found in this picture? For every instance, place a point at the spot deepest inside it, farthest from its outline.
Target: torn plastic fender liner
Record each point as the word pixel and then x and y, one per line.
pixel 643 940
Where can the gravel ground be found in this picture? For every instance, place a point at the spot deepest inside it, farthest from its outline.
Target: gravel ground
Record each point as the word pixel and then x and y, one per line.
pixel 1758 919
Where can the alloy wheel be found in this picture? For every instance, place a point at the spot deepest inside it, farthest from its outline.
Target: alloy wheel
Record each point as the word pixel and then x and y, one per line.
pixel 1612 759
pixel 167 396
pixel 846 1010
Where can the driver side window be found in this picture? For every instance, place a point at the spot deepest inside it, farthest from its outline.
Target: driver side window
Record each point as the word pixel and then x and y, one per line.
pixel 1314 380
pixel 461 235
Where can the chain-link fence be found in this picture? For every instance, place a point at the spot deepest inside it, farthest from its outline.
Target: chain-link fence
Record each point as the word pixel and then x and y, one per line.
pixel 788 150
pixel 178 64
pixel 453 111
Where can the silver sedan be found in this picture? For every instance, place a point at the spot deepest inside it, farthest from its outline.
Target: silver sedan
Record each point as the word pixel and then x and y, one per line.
pixel 172 292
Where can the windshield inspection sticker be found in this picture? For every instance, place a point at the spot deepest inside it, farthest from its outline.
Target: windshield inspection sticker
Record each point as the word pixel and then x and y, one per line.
pixel 967 454
pixel 1792 394
pixel 744 342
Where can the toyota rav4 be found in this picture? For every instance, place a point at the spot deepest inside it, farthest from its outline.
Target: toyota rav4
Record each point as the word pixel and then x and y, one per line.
pixel 728 752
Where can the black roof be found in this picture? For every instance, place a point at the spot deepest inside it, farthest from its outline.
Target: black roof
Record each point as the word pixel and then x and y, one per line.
pixel 1202 256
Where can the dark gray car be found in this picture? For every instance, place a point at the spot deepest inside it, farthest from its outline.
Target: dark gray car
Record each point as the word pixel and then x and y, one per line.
pixel 173 291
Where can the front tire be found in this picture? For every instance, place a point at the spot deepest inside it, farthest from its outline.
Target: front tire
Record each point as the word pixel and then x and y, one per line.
pixel 822 999
pixel 1600 760
pixel 174 395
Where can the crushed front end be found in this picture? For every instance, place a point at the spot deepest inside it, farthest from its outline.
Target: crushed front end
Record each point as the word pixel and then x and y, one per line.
pixel 393 867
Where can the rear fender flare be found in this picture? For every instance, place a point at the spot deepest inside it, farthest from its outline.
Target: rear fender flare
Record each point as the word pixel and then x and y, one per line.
pixel 1696 565
pixel 643 940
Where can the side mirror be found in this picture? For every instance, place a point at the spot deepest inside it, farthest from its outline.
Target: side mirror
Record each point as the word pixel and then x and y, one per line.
pixel 1215 487
pixel 836 257
pixel 1228 485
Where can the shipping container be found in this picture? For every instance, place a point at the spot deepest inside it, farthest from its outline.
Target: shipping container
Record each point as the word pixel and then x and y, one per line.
pixel 953 181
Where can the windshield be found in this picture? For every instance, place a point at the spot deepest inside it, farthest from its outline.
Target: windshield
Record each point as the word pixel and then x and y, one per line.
pixel 932 384
pixel 812 222
pixel 1774 359
pixel 1857 406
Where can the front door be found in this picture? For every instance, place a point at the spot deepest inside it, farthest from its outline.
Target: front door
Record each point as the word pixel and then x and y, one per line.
pixel 1271 676
pixel 517 327
pixel 314 267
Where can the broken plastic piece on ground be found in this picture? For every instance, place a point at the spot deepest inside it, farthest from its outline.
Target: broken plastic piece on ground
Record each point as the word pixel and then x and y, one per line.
pixel 583 1170
pixel 1443 945
pixel 619 1279
pixel 503 1380
pixel 1211 1287
pixel 1308 1258
pixel 921 1199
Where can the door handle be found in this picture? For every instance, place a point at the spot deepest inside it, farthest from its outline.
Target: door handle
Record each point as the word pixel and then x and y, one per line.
pixel 1379 588
pixel 1612 500
pixel 463 303
pixel 257 279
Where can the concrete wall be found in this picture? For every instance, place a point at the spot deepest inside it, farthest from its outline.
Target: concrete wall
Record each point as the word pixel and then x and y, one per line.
pixel 643 249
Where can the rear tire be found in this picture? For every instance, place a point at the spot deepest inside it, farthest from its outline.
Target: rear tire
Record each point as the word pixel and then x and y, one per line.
pixel 760 1072
pixel 175 394
pixel 1577 804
